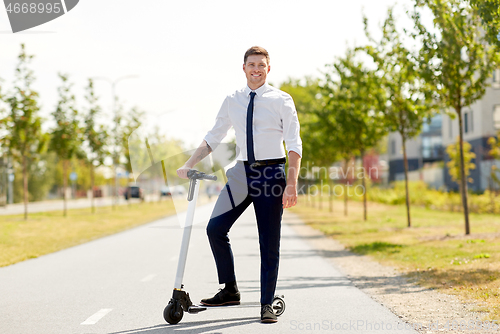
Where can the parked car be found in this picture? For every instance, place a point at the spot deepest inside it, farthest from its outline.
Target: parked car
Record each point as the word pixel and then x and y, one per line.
pixel 179 190
pixel 134 192
pixel 165 191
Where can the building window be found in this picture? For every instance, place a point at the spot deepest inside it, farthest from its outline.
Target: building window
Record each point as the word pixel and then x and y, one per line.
pixel 450 124
pixel 496 78
pixel 471 120
pixel 496 117
pixel 393 147
pixel 466 122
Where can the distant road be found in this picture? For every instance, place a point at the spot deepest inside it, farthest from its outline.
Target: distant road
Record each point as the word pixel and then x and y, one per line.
pixel 42 206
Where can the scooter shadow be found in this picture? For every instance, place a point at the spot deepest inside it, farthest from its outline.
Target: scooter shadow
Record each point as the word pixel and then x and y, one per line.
pixel 213 325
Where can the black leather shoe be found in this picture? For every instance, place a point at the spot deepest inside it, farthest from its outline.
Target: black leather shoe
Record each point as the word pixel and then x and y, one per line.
pixel 223 297
pixel 267 314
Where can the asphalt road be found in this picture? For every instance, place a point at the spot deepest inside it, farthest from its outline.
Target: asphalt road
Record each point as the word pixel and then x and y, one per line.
pixel 43 206
pixel 121 284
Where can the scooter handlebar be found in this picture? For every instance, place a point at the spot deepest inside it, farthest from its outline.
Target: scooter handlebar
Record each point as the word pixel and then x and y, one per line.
pixel 210 177
pixel 193 174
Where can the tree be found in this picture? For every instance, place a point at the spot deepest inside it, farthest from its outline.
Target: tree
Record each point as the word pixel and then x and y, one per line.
pixel 67 134
pixel 133 121
pixel 454 166
pixel 318 143
pixel 356 101
pixel 495 154
pixel 25 139
pixel 94 136
pixel 456 62
pixel 3 152
pixel 409 102
pixel 489 11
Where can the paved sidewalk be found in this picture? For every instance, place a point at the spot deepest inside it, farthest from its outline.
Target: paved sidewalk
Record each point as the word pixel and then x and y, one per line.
pixel 121 284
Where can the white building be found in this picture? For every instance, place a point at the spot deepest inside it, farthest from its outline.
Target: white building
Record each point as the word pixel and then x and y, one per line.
pixel 480 122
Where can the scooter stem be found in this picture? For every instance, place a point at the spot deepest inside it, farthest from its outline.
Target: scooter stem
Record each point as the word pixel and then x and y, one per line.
pixel 186 236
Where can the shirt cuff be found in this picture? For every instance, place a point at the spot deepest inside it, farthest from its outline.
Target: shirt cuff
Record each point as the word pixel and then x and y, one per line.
pixel 297 150
pixel 211 142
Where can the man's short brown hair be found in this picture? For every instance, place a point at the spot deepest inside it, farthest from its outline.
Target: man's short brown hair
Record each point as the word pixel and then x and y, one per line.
pixel 256 50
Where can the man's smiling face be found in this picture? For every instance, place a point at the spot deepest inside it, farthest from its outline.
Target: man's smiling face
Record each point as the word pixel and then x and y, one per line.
pixel 256 69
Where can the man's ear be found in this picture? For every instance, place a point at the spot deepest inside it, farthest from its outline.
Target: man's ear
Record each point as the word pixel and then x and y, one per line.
pixel 243 67
pixel 268 68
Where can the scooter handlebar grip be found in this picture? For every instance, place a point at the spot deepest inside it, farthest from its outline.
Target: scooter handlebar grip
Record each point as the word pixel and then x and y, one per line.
pixel 210 177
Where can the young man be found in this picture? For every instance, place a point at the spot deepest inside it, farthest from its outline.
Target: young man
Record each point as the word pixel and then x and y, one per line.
pixel 263 117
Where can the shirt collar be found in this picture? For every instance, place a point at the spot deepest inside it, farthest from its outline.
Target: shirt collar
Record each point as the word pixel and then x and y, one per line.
pixel 259 91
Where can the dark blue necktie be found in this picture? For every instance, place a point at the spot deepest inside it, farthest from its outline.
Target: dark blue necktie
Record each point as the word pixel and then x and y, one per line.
pixel 250 152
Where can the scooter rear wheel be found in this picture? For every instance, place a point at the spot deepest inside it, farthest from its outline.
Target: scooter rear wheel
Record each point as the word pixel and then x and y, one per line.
pixel 278 306
pixel 171 315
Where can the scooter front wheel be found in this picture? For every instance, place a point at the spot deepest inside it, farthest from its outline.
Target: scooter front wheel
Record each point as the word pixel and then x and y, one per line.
pixel 173 313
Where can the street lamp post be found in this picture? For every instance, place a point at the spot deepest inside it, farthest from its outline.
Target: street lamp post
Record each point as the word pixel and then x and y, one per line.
pixel 113 109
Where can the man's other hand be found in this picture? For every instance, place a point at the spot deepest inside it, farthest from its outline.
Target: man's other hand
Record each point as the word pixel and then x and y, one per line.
pixel 183 171
pixel 290 196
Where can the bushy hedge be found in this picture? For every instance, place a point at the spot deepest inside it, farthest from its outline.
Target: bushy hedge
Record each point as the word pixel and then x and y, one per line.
pixel 422 195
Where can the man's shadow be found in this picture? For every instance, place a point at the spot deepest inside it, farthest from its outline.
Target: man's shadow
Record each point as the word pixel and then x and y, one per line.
pixel 214 325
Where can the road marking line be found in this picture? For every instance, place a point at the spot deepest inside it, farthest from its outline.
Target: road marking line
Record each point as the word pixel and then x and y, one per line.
pixel 148 278
pixel 96 317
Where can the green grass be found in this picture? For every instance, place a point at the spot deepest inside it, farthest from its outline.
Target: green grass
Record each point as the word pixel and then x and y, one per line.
pixel 434 251
pixel 47 232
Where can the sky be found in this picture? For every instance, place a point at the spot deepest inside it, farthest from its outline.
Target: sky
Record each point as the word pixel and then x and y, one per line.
pixel 185 56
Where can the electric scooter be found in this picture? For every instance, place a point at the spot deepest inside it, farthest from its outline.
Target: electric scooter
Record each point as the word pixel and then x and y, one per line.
pixel 180 301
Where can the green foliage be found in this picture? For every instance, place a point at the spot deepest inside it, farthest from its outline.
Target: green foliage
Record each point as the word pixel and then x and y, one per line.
pixel 482 256
pixel 457 61
pixel 376 246
pixel 355 101
pixel 318 146
pixel 430 198
pixel 67 135
pixel 409 100
pixel 489 11
pixel 453 165
pixel 133 121
pixel 495 154
pixel 95 136
pixel 40 178
pixel 24 139
pixel 82 170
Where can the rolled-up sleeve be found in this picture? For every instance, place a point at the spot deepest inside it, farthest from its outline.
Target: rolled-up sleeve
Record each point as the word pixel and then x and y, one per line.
pixel 222 125
pixel 291 126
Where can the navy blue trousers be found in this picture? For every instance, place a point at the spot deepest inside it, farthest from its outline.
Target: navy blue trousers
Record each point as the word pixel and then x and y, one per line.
pixel 264 187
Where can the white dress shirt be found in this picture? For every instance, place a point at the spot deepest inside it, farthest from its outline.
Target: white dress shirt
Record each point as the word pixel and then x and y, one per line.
pixel 274 120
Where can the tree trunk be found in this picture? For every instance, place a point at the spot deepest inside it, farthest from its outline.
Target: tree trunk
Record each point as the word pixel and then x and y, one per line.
pixel 492 196
pixel 65 185
pixel 346 187
pixel 331 194
pixel 320 194
pixel 405 159
pixel 25 187
pixel 363 182
pixel 313 204
pixel 92 205
pixel 463 181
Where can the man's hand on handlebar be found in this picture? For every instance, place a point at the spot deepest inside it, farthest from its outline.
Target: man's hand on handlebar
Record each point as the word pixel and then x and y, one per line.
pixel 182 172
